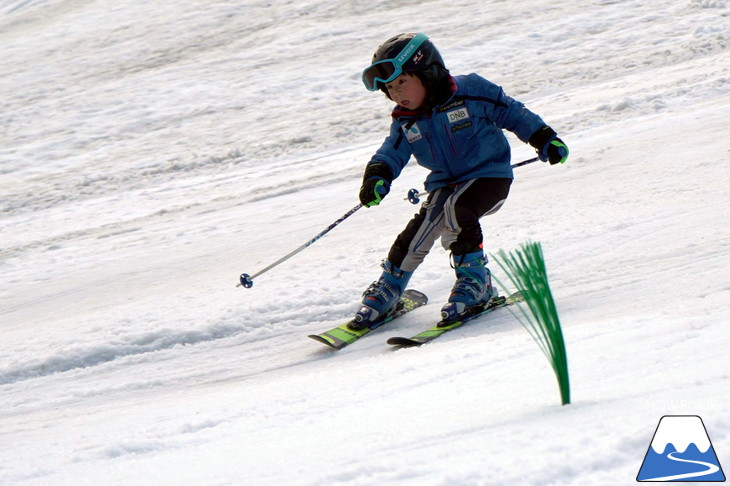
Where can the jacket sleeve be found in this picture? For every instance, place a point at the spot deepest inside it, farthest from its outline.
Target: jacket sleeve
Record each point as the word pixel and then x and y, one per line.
pixel 510 114
pixel 395 151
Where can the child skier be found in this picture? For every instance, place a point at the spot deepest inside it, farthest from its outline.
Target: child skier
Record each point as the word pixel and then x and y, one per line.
pixel 453 126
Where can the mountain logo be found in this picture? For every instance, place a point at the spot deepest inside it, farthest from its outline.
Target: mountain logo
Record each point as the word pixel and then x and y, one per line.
pixel 681 451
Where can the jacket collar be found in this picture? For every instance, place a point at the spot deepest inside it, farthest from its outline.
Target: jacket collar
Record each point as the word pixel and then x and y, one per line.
pixel 401 112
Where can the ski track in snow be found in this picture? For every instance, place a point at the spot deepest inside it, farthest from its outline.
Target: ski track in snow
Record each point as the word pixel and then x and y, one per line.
pixel 151 153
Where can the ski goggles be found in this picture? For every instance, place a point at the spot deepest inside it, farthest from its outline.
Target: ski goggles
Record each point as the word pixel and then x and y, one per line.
pixel 387 70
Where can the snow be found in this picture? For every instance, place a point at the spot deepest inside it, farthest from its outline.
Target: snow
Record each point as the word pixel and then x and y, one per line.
pixel 152 153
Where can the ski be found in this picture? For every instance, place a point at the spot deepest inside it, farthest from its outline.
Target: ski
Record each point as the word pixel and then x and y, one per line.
pixel 342 335
pixel 443 327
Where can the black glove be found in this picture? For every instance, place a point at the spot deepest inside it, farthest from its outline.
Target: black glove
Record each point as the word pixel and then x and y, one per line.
pixel 549 147
pixel 375 184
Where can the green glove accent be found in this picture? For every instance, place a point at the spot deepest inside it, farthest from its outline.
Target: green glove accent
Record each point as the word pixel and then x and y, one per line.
pixel 548 146
pixel 380 189
pixel 375 184
pixel 557 152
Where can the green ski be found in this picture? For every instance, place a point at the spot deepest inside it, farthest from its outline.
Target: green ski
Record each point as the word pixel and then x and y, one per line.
pixel 443 327
pixel 342 335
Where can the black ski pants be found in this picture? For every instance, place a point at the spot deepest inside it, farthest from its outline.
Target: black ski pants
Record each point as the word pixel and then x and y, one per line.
pixel 451 213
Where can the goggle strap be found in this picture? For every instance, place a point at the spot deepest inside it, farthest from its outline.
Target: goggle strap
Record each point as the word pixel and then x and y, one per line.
pixel 397 62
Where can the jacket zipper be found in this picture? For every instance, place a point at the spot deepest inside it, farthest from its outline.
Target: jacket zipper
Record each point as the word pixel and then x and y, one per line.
pixel 441 145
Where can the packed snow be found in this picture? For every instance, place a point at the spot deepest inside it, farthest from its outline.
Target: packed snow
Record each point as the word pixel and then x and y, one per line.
pixel 151 152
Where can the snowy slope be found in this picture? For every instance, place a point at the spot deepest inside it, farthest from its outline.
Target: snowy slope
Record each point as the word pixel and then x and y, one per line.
pixel 150 154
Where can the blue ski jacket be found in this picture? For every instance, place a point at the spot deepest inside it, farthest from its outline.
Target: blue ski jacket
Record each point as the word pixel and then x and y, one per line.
pixel 462 139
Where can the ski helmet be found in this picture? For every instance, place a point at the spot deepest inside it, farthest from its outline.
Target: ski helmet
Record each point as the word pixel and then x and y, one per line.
pixel 407 52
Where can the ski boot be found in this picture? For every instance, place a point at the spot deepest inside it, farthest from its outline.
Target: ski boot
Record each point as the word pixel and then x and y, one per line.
pixel 381 297
pixel 473 286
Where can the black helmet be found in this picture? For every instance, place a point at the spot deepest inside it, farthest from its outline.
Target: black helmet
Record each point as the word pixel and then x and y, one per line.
pixel 411 53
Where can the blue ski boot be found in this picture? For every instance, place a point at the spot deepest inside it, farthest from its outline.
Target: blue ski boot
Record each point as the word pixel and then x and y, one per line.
pixel 473 285
pixel 381 297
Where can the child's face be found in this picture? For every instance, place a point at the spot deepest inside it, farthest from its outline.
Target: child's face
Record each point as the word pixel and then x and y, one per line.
pixel 407 90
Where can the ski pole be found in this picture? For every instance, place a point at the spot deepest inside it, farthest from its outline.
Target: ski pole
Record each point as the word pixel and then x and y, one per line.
pixel 247 280
pixel 525 162
pixel 415 197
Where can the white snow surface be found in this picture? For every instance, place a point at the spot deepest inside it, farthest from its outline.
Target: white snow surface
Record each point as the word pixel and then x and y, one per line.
pixel 150 152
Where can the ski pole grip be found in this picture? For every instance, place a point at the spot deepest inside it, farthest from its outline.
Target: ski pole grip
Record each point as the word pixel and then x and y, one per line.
pixel 246 281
